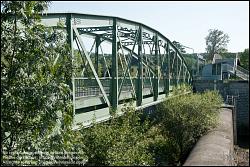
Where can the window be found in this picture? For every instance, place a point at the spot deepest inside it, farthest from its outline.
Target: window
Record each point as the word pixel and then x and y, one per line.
pixel 216 69
pixel 213 69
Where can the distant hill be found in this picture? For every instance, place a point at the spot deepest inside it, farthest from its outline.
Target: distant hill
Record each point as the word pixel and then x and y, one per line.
pixel 223 55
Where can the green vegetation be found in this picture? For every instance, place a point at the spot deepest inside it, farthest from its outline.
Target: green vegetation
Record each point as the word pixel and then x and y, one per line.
pixel 191 61
pixel 36 110
pixel 228 55
pixel 162 140
pixel 216 42
pixel 182 88
pixel 186 119
pixel 179 46
pixel 35 95
pixel 244 59
pixel 121 141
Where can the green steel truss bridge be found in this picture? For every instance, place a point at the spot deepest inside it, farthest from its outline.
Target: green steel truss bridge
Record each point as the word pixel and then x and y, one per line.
pixel 117 61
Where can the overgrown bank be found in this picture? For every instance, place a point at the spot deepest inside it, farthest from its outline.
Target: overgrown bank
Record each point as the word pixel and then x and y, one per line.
pixel 164 139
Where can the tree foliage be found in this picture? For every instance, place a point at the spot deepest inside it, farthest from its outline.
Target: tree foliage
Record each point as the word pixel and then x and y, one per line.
pixel 179 46
pixel 244 59
pixel 117 142
pixel 163 139
pixel 191 60
pixel 186 119
pixel 216 42
pixel 35 73
pixel 36 108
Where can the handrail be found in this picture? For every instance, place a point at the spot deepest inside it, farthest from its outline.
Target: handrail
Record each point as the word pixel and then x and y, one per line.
pixel 240 72
pixel 242 69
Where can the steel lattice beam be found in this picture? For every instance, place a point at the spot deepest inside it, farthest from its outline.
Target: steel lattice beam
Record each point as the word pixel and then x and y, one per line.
pixel 157 69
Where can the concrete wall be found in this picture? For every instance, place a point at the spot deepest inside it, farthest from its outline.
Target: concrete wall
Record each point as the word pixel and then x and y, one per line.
pixel 215 148
pixel 236 88
pixel 242 104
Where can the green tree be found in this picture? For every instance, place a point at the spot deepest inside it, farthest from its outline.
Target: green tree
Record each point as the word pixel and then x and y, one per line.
pixel 119 142
pixel 216 42
pixel 35 95
pixel 186 119
pixel 179 46
pixel 244 59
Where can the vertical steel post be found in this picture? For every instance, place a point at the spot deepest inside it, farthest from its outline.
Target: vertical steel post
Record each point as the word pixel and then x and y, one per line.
pixel 114 72
pixel 168 70
pixel 70 41
pixel 140 74
pixel 156 83
pixel 182 72
pixel 175 69
pixel 97 43
pixel 197 72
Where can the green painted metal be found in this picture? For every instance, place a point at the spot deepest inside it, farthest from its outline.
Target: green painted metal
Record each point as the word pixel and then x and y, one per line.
pixel 97 42
pixel 168 70
pixel 126 71
pixel 179 72
pixel 156 77
pixel 86 62
pixel 94 29
pixel 140 67
pixel 70 39
pixel 176 69
pixel 91 65
pixel 105 62
pixel 161 69
pixel 114 80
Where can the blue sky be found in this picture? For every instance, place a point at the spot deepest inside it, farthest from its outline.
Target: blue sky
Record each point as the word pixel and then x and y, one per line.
pixel 186 22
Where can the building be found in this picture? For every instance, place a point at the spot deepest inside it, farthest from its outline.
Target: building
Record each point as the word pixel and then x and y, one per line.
pixel 221 69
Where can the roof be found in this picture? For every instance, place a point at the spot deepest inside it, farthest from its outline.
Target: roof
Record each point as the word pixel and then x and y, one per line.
pixel 216 57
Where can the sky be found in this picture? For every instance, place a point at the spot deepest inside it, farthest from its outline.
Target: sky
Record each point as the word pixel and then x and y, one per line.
pixel 182 21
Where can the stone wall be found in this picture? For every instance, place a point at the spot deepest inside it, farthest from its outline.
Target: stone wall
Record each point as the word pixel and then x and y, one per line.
pixel 240 89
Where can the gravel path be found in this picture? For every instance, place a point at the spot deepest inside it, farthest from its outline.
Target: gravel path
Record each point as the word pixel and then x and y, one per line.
pixel 241 152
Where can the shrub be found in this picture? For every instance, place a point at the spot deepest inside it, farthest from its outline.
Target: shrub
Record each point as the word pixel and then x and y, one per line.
pixel 117 142
pixel 182 88
pixel 186 118
pixel 127 140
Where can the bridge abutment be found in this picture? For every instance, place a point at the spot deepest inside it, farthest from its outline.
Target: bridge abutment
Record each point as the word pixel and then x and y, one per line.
pixel 239 90
pixel 215 148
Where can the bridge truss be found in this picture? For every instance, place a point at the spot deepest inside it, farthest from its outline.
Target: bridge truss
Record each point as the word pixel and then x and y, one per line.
pixel 116 61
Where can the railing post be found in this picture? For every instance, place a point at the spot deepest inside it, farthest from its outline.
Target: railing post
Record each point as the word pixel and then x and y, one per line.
pixel 156 83
pixel 140 74
pixel 114 72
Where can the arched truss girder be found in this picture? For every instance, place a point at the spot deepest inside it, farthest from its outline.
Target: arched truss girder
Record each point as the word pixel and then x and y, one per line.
pixel 153 50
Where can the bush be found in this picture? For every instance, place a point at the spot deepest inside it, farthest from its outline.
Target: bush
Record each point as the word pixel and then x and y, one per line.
pixel 127 140
pixel 182 88
pixel 117 142
pixel 186 118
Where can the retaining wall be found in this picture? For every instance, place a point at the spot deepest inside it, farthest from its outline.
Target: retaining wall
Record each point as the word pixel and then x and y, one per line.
pixel 215 148
pixel 236 88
